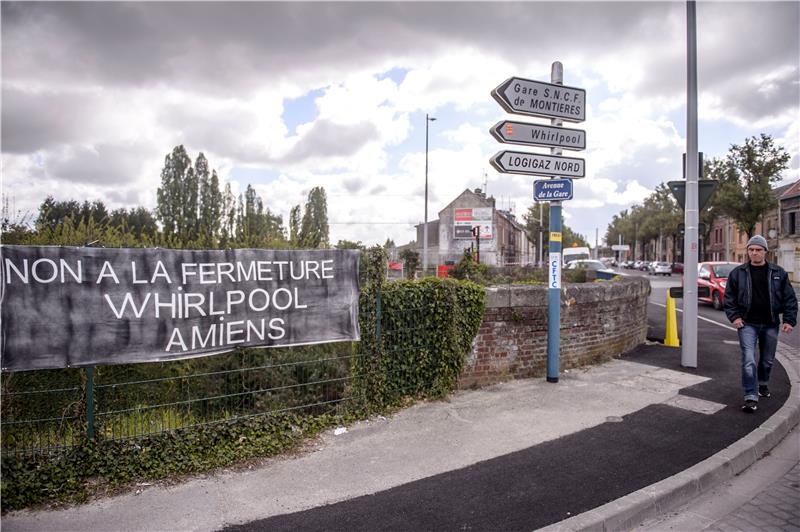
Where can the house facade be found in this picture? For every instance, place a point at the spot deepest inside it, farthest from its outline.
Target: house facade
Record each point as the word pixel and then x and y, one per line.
pixel 471 221
pixel 780 226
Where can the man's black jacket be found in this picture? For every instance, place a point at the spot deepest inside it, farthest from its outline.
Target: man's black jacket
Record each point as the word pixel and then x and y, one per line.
pixel 739 292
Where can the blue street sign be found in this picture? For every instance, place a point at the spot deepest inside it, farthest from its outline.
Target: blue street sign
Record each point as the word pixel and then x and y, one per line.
pixel 552 190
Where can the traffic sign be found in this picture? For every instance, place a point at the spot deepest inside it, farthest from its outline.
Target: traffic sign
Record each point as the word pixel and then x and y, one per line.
pixel 539 135
pixel 517 162
pixel 552 190
pixel 621 247
pixel 537 98
pixel 705 187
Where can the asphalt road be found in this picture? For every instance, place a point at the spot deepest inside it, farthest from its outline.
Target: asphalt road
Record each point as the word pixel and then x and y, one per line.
pixel 658 297
pixel 559 478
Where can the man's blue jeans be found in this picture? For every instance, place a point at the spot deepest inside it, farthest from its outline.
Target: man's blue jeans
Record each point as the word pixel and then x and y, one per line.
pixel 754 373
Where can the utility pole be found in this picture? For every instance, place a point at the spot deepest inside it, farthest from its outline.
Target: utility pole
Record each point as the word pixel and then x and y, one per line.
pixel 691 214
pixel 425 227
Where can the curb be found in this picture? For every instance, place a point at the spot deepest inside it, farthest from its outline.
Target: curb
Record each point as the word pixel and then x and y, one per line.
pixel 631 510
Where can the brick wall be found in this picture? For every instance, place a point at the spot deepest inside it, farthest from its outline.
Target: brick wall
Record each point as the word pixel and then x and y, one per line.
pixel 598 321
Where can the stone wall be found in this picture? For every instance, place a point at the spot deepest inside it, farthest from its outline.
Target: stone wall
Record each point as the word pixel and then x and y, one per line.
pixel 599 321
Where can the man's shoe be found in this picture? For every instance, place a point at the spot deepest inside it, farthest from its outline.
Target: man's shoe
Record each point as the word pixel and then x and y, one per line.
pixel 750 406
pixel 763 390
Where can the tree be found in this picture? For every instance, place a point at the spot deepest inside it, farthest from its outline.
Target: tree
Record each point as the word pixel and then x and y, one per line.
pixel 228 214
pixel 410 258
pixel 533 225
pixel 349 244
pixel 172 194
pixel 294 226
pixel 53 212
pixel 138 221
pixel 210 203
pixel 746 176
pixel 314 230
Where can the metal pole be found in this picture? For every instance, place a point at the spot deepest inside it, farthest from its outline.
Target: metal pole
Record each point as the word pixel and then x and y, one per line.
pixel 425 227
pixel 691 214
pixel 541 245
pixel 727 242
pixel 554 262
pixel 90 402
pixel 596 239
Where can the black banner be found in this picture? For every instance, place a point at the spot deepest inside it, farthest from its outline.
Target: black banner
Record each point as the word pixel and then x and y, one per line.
pixel 68 307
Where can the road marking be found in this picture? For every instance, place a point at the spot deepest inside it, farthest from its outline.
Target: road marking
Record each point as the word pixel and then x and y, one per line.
pixel 698 317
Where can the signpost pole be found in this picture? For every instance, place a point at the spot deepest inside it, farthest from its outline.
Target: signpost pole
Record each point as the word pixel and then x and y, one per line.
pixel 691 214
pixel 554 290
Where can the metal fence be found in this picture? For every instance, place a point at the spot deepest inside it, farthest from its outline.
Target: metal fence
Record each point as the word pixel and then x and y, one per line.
pixel 53 410
pixel 50 410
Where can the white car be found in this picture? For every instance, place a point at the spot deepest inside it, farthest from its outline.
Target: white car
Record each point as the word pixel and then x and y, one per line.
pixel 603 271
pixel 660 268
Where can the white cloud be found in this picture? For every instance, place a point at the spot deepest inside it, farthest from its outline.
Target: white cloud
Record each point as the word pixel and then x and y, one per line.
pixel 96 95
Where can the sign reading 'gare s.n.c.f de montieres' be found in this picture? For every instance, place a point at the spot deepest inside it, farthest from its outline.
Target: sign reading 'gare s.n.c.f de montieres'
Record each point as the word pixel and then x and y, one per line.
pixel 72 307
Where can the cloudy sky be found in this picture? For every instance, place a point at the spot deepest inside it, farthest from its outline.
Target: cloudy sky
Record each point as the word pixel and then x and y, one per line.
pixel 288 96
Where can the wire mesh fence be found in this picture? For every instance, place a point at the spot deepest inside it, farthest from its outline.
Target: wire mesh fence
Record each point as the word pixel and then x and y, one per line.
pixel 53 410
pixel 48 410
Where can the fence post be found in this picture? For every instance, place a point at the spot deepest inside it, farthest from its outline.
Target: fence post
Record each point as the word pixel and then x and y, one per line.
pixel 90 402
pixel 377 313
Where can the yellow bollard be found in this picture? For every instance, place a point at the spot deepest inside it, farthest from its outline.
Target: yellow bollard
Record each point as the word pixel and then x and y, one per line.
pixel 671 334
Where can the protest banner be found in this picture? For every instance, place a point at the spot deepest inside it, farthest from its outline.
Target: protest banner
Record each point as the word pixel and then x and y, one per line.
pixel 80 306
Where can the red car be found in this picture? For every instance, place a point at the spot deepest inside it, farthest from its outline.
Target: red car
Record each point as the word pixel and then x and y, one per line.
pixel 714 275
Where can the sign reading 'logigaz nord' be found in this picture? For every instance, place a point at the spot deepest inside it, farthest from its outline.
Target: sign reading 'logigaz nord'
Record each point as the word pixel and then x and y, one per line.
pixel 65 307
pixel 528 134
pixel 537 98
pixel 517 162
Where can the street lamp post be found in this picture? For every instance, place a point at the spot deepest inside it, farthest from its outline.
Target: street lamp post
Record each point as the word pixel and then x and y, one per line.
pixel 428 119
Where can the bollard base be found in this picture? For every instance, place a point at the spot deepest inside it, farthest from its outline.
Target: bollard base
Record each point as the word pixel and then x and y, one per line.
pixel 552 379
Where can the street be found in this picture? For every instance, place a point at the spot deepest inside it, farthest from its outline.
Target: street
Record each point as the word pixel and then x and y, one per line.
pixel 658 297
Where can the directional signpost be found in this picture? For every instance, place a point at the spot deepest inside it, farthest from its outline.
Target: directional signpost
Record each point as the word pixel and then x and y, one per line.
pixel 537 98
pixel 539 135
pixel 520 162
pixel 554 101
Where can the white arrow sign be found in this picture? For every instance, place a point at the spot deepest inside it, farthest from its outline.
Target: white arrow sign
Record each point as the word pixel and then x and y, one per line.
pixel 537 98
pixel 538 135
pixel 517 162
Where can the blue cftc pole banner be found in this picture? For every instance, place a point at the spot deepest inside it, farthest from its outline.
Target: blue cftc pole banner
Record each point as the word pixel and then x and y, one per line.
pixel 72 307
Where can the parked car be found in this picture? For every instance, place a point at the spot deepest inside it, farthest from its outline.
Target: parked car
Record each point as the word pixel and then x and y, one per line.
pixel 603 271
pixel 644 266
pixel 638 265
pixel 677 267
pixel 714 275
pixel 660 268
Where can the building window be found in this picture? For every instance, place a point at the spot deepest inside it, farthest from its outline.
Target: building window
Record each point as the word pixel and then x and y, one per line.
pixel 793 229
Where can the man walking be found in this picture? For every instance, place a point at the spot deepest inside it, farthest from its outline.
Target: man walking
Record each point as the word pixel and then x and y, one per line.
pixel 756 294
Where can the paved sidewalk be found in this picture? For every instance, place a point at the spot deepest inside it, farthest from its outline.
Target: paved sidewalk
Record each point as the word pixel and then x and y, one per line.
pixel 765 497
pixel 609 446
pixel 776 508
